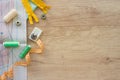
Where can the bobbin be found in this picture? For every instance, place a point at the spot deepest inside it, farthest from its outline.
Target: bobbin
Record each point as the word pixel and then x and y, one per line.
pixel 11 44
pixel 10 15
pixel 25 51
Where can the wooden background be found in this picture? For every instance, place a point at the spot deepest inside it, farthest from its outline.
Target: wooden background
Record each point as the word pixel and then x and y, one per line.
pixel 82 41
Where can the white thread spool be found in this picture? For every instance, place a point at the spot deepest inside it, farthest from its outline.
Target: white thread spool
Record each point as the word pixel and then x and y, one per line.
pixel 12 14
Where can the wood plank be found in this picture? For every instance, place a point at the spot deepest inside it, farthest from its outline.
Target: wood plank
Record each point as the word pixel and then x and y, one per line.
pixel 81 40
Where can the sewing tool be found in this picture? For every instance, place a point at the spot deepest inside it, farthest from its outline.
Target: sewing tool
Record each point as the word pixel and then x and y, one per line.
pixel 15 67
pixel 43 17
pixel 29 11
pixel 11 44
pixel 35 34
pixel 25 51
pixel 18 22
pixel 9 10
pixel 10 15
pixel 44 7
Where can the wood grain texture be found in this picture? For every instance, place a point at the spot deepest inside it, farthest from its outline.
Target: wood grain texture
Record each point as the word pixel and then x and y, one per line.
pixel 82 41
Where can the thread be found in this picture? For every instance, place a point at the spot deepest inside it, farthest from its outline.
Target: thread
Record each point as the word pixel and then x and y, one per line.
pixel 10 15
pixel 25 51
pixel 11 44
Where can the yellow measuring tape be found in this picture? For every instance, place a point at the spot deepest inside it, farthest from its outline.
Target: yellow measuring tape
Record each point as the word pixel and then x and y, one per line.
pixel 44 7
pixel 27 61
pixel 41 5
pixel 29 11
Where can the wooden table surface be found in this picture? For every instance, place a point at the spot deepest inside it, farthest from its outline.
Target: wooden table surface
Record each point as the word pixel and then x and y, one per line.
pixel 82 41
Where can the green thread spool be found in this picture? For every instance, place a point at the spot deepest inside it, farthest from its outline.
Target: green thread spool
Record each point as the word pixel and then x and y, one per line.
pixel 25 51
pixel 11 44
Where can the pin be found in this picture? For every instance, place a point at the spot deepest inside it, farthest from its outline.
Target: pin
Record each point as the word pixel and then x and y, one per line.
pixel 12 14
pixel 11 44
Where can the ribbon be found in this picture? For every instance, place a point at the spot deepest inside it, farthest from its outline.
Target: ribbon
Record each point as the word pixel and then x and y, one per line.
pixel 27 61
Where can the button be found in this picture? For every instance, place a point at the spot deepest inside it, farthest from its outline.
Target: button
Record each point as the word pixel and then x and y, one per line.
pixel 18 23
pixel 43 17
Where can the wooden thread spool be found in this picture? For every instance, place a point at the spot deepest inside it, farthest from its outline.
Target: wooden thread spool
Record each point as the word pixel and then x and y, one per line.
pixel 12 14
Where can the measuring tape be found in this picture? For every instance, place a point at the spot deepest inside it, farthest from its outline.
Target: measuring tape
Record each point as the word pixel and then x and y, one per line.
pixel 34 36
pixel 28 50
pixel 9 73
pixel 24 54
pixel 32 51
pixel 44 7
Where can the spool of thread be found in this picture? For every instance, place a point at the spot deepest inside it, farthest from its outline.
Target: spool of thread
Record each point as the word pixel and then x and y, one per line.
pixel 12 14
pixel 25 51
pixel 11 44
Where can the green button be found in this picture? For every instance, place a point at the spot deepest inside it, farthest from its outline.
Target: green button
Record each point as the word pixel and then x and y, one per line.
pixel 11 44
pixel 25 51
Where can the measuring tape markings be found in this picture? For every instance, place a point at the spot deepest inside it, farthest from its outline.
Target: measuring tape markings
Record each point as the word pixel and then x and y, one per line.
pixel 44 7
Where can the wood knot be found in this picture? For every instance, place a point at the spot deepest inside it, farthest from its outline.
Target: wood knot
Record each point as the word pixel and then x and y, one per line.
pixel 106 60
